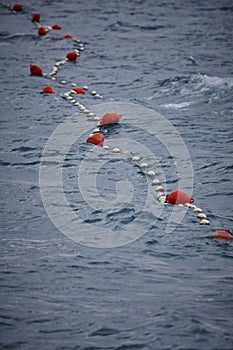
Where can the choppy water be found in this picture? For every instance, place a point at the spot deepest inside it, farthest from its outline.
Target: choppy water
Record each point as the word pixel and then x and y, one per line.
pixel 164 291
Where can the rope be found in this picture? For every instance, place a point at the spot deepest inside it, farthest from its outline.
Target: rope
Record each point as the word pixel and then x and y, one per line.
pixel 176 197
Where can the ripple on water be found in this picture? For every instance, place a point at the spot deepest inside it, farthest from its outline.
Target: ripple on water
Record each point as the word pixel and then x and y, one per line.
pixel 163 291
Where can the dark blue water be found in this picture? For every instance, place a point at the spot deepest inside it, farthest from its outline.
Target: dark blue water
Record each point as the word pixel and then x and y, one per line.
pixel 164 290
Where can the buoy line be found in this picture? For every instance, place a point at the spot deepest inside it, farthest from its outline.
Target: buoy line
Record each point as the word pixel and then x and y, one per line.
pixel 176 197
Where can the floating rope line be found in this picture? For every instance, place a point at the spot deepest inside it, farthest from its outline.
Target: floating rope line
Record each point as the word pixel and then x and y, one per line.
pixel 15 8
pixel 177 197
pixel 70 56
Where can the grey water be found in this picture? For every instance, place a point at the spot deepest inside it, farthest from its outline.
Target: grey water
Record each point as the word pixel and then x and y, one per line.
pixel 163 291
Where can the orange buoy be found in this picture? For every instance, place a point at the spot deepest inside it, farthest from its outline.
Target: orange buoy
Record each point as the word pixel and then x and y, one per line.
pixel 179 197
pixel 35 70
pixel 96 139
pixel 222 234
pixel 79 90
pixel 36 17
pixel 68 36
pixel 48 89
pixel 109 118
pixel 42 31
pixel 72 56
pixel 57 26
pixel 17 7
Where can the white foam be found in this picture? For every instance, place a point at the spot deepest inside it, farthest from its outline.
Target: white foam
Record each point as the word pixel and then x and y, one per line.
pixel 177 105
pixel 217 81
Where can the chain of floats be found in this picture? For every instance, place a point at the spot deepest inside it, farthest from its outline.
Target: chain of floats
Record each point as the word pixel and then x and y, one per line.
pixel 71 97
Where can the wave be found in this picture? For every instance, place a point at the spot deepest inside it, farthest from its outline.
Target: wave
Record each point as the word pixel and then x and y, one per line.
pixel 8 37
pixel 191 86
pixel 210 81
pixel 177 105
pixel 126 26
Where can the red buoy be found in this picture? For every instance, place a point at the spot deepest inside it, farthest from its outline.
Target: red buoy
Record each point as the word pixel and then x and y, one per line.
pixel 109 118
pixel 36 17
pixel 35 70
pixel 72 56
pixel 57 26
pixel 17 7
pixel 42 31
pixel 96 139
pixel 79 90
pixel 68 36
pixel 48 89
pixel 179 197
pixel 224 235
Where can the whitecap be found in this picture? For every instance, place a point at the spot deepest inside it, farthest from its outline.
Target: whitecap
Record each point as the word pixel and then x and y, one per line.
pixel 177 105
pixel 216 81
